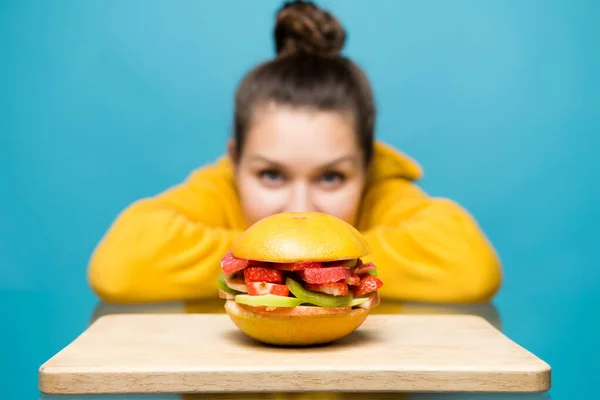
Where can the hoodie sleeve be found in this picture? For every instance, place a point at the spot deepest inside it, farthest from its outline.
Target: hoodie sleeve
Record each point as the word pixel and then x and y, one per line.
pixel 168 247
pixel 427 249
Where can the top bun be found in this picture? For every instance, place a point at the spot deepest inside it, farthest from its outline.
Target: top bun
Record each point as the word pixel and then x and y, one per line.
pixel 301 236
pixel 302 27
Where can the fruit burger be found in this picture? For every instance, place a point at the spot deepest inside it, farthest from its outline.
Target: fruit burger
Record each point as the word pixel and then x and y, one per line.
pixel 298 279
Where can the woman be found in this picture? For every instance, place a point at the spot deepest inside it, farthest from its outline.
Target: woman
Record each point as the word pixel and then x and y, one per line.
pixel 303 141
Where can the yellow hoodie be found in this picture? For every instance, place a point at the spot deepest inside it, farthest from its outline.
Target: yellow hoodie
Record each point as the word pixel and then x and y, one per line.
pixel 169 247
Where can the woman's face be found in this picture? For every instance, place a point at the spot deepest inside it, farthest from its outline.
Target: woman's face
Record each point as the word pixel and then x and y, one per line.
pixel 300 160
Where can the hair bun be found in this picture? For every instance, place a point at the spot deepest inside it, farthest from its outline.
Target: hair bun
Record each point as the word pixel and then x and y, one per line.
pixel 302 27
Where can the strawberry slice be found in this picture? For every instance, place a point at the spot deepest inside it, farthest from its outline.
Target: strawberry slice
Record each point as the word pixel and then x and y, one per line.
pixel 368 284
pixel 325 275
pixel 231 264
pixel 263 288
pixel 297 266
pixel 335 288
pixel 260 274
pixel 353 280
pixel 364 268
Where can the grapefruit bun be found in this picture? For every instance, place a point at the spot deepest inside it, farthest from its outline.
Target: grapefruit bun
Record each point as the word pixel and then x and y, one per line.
pixel 297 279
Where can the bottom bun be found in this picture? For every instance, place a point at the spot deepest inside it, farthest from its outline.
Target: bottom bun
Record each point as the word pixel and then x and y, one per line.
pixel 297 326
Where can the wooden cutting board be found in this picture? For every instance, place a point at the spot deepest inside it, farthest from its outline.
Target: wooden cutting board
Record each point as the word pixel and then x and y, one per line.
pixel 186 353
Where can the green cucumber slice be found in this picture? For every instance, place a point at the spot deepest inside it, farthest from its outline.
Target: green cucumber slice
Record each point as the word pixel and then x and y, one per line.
pixel 373 272
pixel 267 300
pixel 223 286
pixel 358 301
pixel 318 299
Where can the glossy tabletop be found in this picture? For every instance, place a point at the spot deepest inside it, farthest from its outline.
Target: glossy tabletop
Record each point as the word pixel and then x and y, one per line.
pixel 534 333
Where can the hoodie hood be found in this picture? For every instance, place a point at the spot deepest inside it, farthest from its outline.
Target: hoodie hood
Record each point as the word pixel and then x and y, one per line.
pixel 389 163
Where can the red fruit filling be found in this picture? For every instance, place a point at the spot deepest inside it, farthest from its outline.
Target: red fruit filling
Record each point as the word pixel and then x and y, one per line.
pixel 325 275
pixel 364 268
pixel 297 266
pixel 337 278
pixel 263 288
pixel 367 284
pixel 353 280
pixel 261 274
pixel 231 264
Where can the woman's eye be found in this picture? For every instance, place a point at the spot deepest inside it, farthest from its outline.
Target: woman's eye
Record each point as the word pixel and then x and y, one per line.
pixel 270 176
pixel 332 179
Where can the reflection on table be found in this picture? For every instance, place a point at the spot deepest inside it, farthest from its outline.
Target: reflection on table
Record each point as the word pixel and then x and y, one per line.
pixel 215 306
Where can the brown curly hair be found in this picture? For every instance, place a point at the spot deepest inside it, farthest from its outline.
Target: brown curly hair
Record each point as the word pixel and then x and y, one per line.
pixel 307 71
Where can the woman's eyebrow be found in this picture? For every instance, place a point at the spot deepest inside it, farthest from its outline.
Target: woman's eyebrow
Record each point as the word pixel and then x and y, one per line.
pixel 339 160
pixel 257 157
pixel 346 158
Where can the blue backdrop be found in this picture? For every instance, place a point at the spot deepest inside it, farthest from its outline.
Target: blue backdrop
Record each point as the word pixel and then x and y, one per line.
pixel 103 102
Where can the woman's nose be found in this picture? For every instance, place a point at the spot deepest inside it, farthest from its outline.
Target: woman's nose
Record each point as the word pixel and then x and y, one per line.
pixel 300 199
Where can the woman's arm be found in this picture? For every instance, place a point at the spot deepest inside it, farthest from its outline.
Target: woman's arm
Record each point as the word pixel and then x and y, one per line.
pixel 167 248
pixel 427 249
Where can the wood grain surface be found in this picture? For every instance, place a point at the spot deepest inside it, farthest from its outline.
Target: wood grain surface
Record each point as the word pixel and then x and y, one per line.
pixel 195 353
